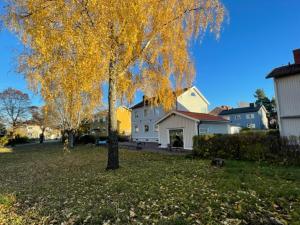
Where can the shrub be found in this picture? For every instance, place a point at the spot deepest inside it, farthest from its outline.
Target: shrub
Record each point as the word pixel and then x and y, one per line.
pixel 18 140
pixel 254 146
pixel 3 141
pixel 86 139
pixel 123 138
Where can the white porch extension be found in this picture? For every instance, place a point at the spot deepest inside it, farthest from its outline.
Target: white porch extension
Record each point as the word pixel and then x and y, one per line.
pixel 179 126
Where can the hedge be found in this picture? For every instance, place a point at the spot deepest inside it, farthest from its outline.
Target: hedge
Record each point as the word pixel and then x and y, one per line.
pixel 253 146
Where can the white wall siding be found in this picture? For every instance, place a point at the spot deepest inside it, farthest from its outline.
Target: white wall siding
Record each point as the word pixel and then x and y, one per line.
pixel 290 127
pixel 287 91
pixel 174 122
pixel 191 101
pixel 288 95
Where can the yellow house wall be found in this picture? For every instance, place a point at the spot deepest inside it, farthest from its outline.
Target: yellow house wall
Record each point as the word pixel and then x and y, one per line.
pixel 124 120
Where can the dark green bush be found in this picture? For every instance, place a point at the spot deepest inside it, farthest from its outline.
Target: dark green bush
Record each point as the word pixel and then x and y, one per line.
pixel 123 138
pixel 86 139
pixel 18 140
pixel 253 146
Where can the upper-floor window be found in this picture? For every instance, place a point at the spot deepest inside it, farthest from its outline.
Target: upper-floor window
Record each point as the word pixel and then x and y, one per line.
pixel 145 112
pixel 146 128
pixel 237 117
pixel 250 116
pixel 193 94
pixel 136 128
pixel 136 115
pixel 156 111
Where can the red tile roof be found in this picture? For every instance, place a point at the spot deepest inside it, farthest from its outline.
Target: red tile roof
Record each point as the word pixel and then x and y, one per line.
pixel 203 116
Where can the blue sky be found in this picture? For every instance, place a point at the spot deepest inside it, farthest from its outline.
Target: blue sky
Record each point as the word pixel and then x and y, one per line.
pixel 259 36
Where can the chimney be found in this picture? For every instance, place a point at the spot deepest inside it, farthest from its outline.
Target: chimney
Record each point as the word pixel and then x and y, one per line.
pixel 252 105
pixel 297 56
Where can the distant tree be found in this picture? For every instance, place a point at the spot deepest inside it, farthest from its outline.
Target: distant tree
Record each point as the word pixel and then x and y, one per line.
pixel 14 106
pixel 38 118
pixel 262 99
pixel 270 105
pixel 2 129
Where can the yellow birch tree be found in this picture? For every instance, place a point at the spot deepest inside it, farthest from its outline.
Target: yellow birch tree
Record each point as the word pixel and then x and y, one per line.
pixel 129 45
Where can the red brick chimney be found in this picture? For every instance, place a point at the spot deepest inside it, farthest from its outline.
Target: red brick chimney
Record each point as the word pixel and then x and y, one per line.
pixel 297 56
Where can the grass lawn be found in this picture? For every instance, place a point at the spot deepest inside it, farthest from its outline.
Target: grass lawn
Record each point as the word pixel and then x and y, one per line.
pixel 42 185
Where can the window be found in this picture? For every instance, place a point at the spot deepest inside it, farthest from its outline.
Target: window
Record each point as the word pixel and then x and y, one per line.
pixel 103 119
pixel 237 117
pixel 156 128
pixel 193 94
pixel 203 130
pixel 156 111
pixel 251 125
pixel 145 112
pixel 136 128
pixel 250 116
pixel 146 127
pixel 136 115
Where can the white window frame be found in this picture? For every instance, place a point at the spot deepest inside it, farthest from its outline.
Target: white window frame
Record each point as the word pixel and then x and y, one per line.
pixel 136 114
pixel 250 116
pixel 156 111
pixel 237 117
pixel 146 112
pixel 145 128
pixel 156 127
pixel 251 125
pixel 136 128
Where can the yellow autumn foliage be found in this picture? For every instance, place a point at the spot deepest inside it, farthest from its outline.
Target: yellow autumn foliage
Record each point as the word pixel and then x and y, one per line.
pixel 72 47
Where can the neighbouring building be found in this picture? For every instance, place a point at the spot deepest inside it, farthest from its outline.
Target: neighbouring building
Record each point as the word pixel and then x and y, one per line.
pixel 253 117
pixel 177 128
pixel 287 94
pixel 33 131
pixel 144 116
pixel 99 125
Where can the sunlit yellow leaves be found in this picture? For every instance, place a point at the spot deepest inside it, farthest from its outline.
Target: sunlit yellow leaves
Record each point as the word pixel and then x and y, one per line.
pixel 71 45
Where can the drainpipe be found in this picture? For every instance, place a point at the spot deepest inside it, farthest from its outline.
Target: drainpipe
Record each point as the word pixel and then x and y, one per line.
pixel 198 125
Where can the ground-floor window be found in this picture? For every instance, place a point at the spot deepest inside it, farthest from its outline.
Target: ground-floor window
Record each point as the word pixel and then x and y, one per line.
pixel 176 138
pixel 251 125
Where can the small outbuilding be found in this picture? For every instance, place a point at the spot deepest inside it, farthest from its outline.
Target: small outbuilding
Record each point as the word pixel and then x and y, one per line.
pixel 177 128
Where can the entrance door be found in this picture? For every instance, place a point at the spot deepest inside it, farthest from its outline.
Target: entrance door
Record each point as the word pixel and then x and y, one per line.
pixel 176 138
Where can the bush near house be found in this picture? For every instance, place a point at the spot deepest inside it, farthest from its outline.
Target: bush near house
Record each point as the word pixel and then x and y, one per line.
pixel 253 146
pixel 18 140
pixel 3 141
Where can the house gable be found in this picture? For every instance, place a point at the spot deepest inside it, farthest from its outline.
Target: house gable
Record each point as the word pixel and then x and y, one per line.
pixel 192 100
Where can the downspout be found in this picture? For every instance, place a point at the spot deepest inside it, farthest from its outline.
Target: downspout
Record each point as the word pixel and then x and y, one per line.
pixel 198 125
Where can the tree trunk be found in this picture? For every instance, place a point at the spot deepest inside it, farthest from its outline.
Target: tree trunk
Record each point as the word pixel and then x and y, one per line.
pixel 113 148
pixel 71 139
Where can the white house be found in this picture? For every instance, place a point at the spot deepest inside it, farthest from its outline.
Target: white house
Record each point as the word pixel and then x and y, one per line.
pixel 287 91
pixel 177 128
pixel 145 116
